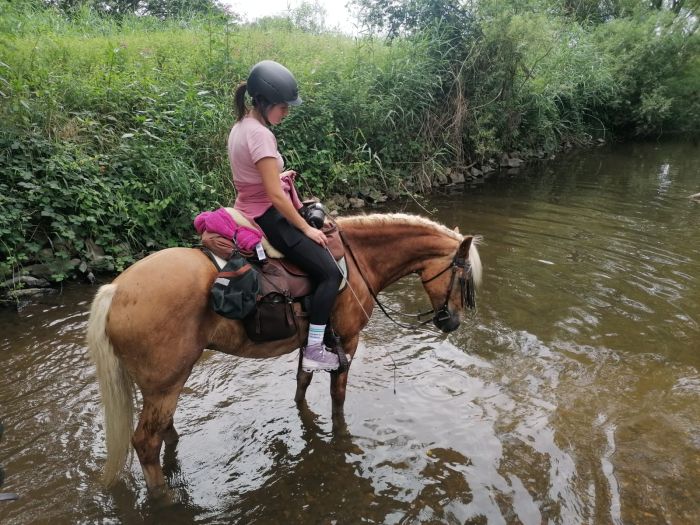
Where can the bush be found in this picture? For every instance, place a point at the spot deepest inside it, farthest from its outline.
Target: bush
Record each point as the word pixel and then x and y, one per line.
pixel 114 130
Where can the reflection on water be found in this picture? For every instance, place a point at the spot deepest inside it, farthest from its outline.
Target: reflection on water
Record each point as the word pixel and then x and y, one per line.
pixel 572 396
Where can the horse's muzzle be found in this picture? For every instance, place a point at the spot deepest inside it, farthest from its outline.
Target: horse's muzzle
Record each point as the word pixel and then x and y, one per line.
pixel 446 321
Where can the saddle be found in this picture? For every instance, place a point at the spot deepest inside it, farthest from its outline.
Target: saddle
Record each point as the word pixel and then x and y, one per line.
pixel 284 287
pixel 277 273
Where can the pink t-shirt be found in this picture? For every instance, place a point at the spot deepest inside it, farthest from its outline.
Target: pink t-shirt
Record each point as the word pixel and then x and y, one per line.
pixel 249 142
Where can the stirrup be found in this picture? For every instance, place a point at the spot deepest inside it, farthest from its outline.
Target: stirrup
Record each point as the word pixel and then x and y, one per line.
pixel 337 348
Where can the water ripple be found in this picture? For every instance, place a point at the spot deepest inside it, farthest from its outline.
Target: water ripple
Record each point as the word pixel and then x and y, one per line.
pixel 571 396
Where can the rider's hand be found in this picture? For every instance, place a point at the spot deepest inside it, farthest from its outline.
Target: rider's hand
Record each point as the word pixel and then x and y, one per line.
pixel 291 173
pixel 315 235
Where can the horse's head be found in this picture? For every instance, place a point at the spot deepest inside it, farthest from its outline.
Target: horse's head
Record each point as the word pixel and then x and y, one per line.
pixel 451 287
pixel 391 246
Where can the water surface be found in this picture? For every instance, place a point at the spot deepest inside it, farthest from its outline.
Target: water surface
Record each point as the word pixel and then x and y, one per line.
pixel 571 396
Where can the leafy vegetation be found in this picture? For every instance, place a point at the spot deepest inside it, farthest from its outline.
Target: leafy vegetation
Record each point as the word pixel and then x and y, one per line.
pixel 115 113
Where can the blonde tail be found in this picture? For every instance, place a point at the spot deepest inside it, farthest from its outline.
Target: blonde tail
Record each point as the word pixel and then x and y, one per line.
pixel 116 386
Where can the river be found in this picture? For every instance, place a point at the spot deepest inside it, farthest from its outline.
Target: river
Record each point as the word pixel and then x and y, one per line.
pixel 571 396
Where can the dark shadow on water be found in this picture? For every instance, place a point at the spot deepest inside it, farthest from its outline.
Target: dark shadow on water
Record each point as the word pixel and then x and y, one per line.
pixel 322 483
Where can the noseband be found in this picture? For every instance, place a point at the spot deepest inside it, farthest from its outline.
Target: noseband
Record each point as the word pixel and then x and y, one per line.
pixel 462 273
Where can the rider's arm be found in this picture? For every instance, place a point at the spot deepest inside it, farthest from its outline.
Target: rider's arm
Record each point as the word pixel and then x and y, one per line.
pixel 271 181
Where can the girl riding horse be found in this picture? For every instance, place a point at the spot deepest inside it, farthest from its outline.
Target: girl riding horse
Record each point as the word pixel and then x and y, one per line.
pixel 152 323
pixel 266 194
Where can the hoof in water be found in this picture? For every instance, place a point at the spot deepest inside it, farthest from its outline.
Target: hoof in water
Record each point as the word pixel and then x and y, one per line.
pixel 162 496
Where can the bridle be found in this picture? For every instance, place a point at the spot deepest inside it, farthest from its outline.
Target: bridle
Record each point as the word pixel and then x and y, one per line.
pixel 458 265
pixel 461 266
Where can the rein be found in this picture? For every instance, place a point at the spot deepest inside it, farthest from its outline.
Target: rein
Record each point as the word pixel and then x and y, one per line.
pixel 369 288
pixel 466 285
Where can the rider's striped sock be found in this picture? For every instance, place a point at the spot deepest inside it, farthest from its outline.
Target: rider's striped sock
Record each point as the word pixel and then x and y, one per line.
pixel 316 332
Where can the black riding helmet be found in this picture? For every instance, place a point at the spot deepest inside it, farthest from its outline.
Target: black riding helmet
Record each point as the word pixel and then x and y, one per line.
pixel 274 83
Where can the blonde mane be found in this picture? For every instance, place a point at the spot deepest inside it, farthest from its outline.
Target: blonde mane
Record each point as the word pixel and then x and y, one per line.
pixel 377 219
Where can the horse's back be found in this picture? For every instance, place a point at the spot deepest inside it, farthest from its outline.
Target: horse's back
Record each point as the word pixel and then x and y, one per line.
pixel 174 277
pixel 161 261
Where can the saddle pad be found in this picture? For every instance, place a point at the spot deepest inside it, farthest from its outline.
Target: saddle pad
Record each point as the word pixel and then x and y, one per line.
pixel 238 217
pixel 343 267
pixel 218 261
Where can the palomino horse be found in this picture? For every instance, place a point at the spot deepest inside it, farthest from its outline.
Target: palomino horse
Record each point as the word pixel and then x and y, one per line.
pixel 151 325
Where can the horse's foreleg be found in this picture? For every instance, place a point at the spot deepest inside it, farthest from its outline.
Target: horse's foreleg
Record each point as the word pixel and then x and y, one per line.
pixel 155 423
pixel 303 381
pixel 339 380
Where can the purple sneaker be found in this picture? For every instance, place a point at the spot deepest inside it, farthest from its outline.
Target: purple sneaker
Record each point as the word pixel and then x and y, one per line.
pixel 317 357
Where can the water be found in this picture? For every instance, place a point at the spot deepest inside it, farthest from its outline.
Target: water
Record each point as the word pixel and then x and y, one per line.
pixel 572 396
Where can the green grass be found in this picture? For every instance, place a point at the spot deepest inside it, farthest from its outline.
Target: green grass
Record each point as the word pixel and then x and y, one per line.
pixel 114 132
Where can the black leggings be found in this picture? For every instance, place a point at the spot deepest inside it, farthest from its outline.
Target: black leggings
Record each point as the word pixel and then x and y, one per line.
pixel 311 257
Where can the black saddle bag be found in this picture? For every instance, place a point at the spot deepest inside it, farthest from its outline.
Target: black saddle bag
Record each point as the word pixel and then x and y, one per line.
pixel 273 319
pixel 235 290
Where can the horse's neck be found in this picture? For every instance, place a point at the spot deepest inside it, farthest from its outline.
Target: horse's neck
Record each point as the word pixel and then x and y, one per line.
pixel 389 252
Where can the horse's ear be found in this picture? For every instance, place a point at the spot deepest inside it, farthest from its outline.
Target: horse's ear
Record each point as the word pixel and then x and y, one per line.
pixel 466 243
pixel 456 229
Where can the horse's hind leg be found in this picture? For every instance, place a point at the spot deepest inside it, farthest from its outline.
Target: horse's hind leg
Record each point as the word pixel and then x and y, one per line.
pixel 154 425
pixel 170 435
